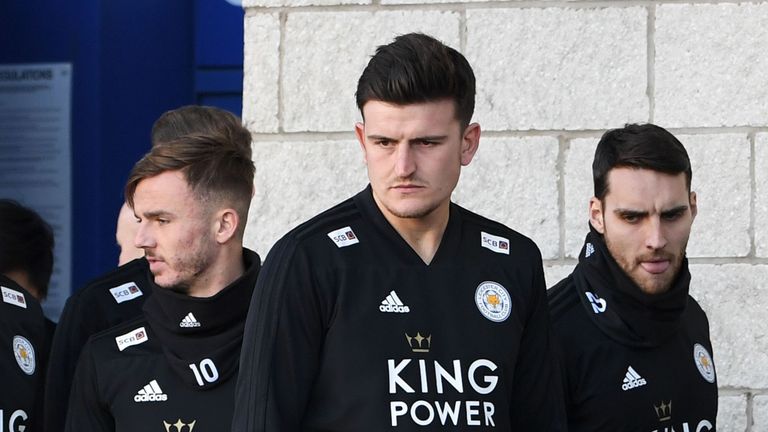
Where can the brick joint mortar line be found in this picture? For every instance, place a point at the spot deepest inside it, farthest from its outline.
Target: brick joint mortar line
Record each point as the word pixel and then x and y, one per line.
pixel 563 146
pixel 752 137
pixel 375 5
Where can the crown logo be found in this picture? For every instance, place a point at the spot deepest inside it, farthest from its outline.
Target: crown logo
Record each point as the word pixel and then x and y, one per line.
pixel 179 426
pixel 663 411
pixel 419 343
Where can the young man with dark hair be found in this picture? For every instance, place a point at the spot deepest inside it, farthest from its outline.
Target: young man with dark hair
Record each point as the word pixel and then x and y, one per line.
pixel 26 264
pixel 118 296
pixel 26 248
pixel 397 309
pixel 634 346
pixel 174 368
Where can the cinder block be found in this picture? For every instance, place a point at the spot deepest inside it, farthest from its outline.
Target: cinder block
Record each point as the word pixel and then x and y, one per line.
pixel 578 187
pixel 261 65
pixel 297 180
pixel 559 68
pixel 710 64
pixel 325 53
pixel 760 413
pixel 293 3
pixel 761 194
pixel 732 413
pixel 555 273
pixel 722 183
pixel 735 298
pixel 514 181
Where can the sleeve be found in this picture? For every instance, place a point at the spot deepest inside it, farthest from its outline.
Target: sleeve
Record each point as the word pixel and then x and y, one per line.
pixel 87 413
pixel 281 348
pixel 537 396
pixel 70 336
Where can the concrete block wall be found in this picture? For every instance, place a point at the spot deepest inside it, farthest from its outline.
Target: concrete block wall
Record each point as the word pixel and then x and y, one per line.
pixel 552 77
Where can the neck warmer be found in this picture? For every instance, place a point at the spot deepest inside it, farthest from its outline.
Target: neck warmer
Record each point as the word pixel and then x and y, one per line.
pixel 193 331
pixel 617 305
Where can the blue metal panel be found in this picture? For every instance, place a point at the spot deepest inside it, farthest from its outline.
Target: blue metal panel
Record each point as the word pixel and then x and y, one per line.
pixel 132 60
pixel 218 34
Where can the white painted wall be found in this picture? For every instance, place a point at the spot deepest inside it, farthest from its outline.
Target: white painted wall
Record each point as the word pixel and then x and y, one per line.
pixel 552 77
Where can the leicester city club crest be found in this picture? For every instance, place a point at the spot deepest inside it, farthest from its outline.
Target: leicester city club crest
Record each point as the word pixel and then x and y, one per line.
pixel 493 301
pixel 704 363
pixel 25 354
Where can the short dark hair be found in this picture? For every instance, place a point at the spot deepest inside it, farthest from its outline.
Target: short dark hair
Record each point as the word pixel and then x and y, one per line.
pixel 199 119
pixel 417 68
pixel 644 146
pixel 26 244
pixel 215 168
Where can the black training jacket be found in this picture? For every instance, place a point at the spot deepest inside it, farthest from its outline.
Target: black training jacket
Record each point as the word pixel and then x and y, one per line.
pixel 616 373
pixel 23 351
pixel 105 302
pixel 171 370
pixel 349 330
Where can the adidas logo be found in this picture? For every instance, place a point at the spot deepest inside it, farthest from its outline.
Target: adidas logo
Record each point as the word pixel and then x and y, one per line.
pixel 632 380
pixel 151 393
pixel 189 321
pixel 393 304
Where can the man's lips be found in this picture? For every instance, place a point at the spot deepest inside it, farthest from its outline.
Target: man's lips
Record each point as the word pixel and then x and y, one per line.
pixel 655 266
pixel 407 187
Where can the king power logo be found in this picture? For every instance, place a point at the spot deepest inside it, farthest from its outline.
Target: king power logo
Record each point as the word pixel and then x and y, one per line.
pixel 435 381
pixel 701 426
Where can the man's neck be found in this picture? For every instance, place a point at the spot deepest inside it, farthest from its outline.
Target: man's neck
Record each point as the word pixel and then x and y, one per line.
pixel 422 234
pixel 227 269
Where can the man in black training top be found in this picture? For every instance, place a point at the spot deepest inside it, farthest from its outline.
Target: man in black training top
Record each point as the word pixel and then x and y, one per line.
pixel 635 348
pixel 174 368
pixel 26 264
pixel 397 309
pixel 118 295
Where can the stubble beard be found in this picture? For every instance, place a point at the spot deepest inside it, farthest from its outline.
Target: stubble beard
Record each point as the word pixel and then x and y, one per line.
pixel 652 284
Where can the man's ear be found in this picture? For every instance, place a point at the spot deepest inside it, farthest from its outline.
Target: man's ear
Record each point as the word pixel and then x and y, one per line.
pixel 694 205
pixel 360 133
pixel 596 215
pixel 470 141
pixel 226 224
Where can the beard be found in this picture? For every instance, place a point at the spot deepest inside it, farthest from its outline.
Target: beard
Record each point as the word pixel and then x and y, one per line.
pixel 647 282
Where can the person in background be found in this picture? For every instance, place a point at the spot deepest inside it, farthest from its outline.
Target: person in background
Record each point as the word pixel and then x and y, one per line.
pixel 634 346
pixel 124 235
pixel 26 264
pixel 398 309
pixel 118 295
pixel 175 366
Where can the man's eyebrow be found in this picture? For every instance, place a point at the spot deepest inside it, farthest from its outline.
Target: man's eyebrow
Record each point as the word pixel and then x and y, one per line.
pixel 675 210
pixel 156 214
pixel 429 138
pixel 419 138
pixel 630 212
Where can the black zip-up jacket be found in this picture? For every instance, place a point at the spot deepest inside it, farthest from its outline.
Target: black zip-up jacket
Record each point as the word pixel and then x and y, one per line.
pixel 630 361
pixel 349 330
pixel 105 302
pixel 23 352
pixel 172 370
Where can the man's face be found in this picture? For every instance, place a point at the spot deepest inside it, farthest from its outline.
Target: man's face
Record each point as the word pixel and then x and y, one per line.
pixel 414 155
pixel 175 231
pixel 646 219
pixel 124 235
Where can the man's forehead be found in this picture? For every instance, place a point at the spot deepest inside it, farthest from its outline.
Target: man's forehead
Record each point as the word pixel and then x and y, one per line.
pixel 644 188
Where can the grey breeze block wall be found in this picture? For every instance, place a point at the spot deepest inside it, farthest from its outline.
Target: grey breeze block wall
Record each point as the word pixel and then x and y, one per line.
pixel 552 76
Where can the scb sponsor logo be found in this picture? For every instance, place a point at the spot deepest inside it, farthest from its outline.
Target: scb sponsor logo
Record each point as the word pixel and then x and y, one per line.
pixel 151 398
pixel 17 421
